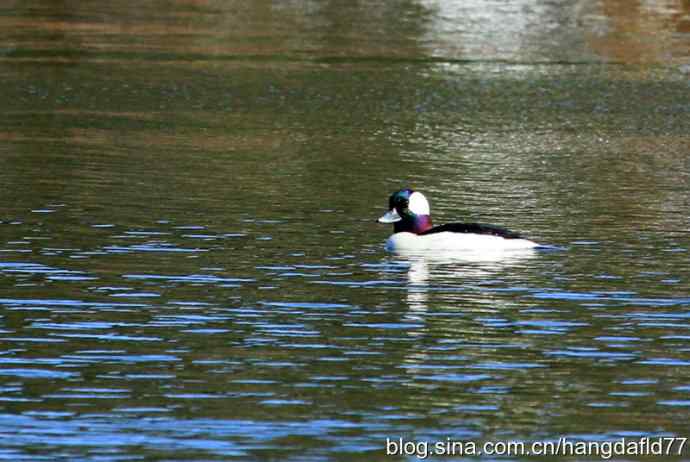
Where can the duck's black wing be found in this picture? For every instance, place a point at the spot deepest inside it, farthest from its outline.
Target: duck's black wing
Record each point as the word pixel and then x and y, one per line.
pixel 474 228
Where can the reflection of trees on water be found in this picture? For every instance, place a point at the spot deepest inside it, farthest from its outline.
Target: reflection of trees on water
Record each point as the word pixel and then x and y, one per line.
pixel 279 111
pixel 219 28
pixel 638 31
pixel 525 30
pixel 522 30
pixel 618 30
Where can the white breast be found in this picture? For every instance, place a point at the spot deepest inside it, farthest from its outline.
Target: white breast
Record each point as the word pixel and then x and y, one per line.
pixel 456 242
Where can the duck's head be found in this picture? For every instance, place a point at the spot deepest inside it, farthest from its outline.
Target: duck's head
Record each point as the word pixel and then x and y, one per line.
pixel 409 211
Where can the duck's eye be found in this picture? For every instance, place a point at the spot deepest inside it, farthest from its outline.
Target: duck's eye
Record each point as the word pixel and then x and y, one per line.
pixel 398 202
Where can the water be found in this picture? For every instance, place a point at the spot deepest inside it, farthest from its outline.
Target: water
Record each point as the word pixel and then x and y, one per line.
pixel 191 268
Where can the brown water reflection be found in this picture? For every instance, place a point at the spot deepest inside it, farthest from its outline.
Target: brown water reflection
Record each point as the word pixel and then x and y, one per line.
pixel 640 31
pixel 525 31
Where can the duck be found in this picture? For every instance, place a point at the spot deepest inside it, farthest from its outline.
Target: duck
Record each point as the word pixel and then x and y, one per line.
pixel 410 214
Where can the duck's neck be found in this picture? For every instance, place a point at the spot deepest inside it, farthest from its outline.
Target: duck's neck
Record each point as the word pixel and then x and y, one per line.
pixel 416 224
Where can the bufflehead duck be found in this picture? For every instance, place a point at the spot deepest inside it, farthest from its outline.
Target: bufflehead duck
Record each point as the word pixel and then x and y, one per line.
pixel 410 214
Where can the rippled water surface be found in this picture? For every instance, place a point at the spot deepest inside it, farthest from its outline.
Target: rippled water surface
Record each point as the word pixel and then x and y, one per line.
pixel 190 267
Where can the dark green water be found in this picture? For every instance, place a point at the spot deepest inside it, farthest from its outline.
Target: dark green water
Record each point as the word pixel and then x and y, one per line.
pixel 190 267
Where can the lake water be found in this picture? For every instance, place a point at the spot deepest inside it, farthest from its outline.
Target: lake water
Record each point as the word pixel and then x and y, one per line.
pixel 190 267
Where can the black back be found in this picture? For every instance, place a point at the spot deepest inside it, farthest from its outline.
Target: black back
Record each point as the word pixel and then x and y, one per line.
pixel 474 228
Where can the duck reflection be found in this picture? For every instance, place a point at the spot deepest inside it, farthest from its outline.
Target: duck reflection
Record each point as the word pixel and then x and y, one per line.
pixel 446 266
pixel 451 273
pixel 452 280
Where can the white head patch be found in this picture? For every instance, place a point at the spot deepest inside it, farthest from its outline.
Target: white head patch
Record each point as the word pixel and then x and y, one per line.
pixel 418 204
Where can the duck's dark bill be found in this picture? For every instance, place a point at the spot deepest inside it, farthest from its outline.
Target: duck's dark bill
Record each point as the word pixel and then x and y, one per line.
pixel 390 217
